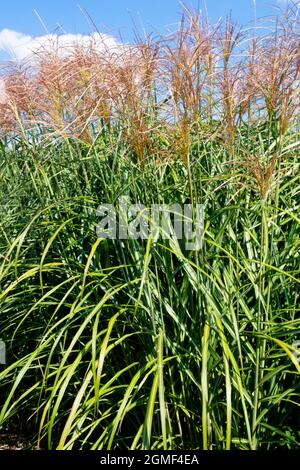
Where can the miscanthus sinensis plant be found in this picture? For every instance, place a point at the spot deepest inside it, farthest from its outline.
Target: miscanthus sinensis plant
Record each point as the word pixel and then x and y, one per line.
pixel 141 344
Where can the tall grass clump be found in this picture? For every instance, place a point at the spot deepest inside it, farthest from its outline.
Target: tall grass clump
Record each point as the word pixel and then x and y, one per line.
pixel 142 344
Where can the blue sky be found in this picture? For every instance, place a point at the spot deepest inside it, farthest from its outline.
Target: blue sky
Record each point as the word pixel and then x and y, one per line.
pixel 113 15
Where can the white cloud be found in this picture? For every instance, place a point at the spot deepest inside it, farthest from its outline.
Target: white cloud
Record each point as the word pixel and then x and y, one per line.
pixel 20 46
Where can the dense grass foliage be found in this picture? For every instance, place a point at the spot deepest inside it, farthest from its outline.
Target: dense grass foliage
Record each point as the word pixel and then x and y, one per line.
pixel 141 344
